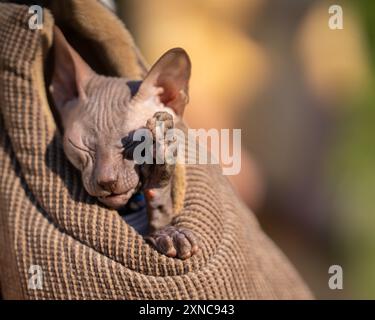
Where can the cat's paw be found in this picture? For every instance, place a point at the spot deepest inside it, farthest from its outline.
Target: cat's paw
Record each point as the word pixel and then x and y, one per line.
pixel 165 158
pixel 160 117
pixel 174 242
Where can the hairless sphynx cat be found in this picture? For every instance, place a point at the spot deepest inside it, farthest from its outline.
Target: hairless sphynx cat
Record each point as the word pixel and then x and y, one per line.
pixel 99 114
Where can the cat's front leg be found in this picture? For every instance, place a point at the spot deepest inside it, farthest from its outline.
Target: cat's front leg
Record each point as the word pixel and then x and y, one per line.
pixel 159 207
pixel 166 238
pixel 157 189
pixel 158 176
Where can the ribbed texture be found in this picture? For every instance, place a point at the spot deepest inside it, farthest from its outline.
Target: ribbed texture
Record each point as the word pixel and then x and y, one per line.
pixel 87 251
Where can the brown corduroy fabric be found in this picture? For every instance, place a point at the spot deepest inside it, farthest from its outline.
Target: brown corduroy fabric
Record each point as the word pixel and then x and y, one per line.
pixel 85 250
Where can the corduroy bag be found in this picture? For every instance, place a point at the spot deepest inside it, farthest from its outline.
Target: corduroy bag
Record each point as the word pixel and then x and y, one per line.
pixel 52 229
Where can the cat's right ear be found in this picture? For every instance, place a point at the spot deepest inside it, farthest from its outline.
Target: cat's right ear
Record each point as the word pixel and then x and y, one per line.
pixel 70 75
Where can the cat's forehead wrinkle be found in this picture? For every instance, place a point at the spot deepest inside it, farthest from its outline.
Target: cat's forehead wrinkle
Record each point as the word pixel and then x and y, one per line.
pixel 106 105
pixel 108 89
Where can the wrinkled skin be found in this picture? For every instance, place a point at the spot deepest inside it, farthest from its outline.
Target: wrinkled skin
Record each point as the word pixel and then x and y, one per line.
pixel 99 115
pixel 96 140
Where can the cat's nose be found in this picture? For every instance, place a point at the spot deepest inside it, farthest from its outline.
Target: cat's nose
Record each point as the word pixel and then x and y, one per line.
pixel 107 184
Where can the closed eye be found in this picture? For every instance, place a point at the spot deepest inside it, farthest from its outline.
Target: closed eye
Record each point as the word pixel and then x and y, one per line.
pixel 78 147
pixel 79 156
pixel 129 144
pixel 89 151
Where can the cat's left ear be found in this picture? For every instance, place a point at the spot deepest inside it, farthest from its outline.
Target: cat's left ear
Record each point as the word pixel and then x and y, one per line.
pixel 168 79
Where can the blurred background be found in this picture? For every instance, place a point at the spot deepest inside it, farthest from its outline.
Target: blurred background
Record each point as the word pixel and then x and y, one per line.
pixel 304 96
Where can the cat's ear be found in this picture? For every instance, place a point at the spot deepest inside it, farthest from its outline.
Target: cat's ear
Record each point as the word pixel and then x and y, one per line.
pixel 70 74
pixel 169 80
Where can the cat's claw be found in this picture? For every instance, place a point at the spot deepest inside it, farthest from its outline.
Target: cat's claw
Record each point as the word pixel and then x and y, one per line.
pixel 174 242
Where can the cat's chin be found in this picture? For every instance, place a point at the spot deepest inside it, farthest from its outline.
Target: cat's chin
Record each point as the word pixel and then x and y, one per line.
pixel 116 201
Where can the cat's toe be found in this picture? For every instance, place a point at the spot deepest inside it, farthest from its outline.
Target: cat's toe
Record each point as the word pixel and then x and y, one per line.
pixel 160 117
pixel 175 242
pixel 163 116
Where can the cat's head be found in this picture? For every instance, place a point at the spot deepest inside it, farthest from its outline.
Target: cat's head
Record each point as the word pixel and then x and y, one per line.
pixel 99 114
